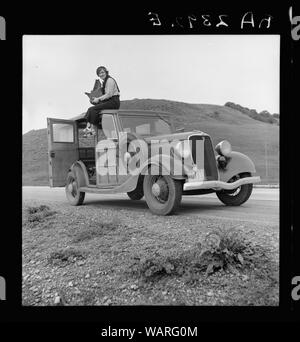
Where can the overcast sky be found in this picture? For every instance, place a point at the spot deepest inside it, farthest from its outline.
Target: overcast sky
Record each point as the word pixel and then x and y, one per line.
pixel 213 69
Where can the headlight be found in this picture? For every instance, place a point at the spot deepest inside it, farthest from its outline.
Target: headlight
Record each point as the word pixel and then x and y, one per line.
pixel 182 148
pixel 222 162
pixel 223 148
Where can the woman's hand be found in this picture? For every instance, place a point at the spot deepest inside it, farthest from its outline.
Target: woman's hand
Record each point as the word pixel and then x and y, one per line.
pixel 96 99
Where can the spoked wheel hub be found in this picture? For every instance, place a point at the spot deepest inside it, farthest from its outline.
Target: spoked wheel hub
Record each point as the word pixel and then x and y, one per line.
pixel 160 189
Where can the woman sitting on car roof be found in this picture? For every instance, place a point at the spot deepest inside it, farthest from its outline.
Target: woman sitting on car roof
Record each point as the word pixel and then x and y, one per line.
pixel 109 100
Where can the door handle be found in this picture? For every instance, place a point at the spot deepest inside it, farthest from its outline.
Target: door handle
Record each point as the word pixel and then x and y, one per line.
pixel 52 154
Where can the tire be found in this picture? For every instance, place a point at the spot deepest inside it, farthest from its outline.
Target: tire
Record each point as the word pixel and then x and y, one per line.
pixel 236 196
pixel 74 196
pixel 169 198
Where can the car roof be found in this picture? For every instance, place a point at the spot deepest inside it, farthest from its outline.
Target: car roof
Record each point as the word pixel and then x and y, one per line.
pixel 125 112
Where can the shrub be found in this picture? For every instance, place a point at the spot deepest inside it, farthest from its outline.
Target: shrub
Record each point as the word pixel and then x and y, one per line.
pixel 263 116
pixel 225 249
pixel 214 114
pixel 34 210
pixel 153 266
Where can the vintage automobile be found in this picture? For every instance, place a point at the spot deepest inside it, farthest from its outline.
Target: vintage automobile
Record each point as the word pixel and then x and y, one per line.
pixel 139 152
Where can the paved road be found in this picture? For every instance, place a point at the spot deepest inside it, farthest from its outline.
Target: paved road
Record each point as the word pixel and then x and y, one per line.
pixel 263 205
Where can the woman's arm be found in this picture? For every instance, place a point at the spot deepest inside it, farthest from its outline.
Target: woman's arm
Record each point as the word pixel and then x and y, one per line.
pixel 109 89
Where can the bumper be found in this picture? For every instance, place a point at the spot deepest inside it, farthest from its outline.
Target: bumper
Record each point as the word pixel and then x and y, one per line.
pixel 218 185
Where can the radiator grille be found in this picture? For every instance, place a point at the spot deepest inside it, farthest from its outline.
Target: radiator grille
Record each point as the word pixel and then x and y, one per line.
pixel 210 167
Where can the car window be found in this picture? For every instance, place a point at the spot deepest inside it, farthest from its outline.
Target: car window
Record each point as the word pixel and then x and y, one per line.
pixel 108 126
pixel 145 125
pixel 161 126
pixel 143 129
pixel 63 132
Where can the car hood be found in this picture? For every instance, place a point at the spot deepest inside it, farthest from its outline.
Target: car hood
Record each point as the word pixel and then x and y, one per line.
pixel 174 136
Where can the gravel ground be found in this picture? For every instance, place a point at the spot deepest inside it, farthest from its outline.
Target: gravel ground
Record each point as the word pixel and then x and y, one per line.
pixel 84 256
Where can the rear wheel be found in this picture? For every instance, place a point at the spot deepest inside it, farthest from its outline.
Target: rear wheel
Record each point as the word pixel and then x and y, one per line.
pixel 162 193
pixel 236 196
pixel 74 196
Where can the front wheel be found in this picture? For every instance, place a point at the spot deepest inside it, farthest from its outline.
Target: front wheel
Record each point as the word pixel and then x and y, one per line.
pixel 162 193
pixel 74 196
pixel 236 196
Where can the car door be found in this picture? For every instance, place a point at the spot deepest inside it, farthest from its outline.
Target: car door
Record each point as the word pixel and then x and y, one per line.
pixel 62 149
pixel 106 152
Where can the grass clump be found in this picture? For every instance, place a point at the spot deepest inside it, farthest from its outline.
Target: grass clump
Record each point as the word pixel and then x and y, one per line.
pixel 66 256
pixel 153 266
pixel 186 264
pixel 221 249
pixel 37 214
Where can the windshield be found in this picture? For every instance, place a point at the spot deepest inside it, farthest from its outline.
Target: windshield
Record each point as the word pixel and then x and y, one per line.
pixel 146 125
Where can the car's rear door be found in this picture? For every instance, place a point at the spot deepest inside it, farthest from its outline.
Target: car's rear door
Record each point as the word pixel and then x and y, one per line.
pixel 62 149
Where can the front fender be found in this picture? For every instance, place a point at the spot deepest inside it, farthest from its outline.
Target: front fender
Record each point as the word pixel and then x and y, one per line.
pixel 236 163
pixel 165 165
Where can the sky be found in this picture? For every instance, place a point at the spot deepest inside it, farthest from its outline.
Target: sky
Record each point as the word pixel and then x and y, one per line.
pixel 212 69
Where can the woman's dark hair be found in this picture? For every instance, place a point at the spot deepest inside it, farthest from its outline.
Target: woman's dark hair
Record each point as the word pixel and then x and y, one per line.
pixel 101 68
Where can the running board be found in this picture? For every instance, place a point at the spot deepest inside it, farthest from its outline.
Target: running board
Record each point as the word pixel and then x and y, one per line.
pixel 95 190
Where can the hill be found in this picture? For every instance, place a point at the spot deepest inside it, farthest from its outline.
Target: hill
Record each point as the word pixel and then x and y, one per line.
pixel 263 116
pixel 35 158
pixel 259 140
